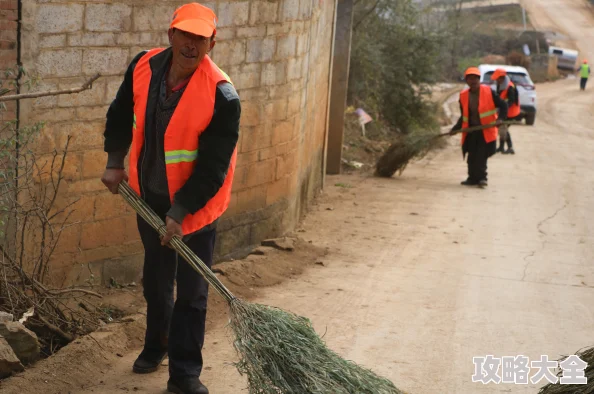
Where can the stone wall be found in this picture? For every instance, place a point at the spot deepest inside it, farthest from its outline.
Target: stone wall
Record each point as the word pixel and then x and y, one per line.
pixel 277 53
pixel 8 48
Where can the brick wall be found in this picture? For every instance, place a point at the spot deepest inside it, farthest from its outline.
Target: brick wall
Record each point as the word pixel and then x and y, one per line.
pixel 277 53
pixel 8 46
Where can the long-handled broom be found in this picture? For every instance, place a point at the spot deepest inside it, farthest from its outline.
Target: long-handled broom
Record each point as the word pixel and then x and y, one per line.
pixel 279 351
pixel 414 146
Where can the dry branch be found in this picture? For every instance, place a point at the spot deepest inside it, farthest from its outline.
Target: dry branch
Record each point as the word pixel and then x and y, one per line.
pixel 87 85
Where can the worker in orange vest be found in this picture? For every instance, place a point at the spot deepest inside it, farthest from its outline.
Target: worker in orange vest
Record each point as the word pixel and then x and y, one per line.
pixel 178 116
pixel 479 105
pixel 507 90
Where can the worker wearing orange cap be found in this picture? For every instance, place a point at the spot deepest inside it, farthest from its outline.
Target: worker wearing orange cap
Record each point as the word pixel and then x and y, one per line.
pixel 178 116
pixel 479 105
pixel 507 90
pixel 584 71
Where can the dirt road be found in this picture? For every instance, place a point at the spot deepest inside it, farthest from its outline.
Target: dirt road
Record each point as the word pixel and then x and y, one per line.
pixel 423 274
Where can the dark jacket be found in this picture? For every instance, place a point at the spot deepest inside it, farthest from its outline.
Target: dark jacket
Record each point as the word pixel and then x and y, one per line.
pixel 499 103
pixel 216 143
pixel 512 94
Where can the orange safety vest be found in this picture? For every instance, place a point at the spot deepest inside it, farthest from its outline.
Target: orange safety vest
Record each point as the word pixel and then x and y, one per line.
pixel 190 118
pixel 513 108
pixel 487 112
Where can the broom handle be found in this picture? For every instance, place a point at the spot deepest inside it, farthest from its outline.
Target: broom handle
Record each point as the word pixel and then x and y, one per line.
pixel 155 221
pixel 475 128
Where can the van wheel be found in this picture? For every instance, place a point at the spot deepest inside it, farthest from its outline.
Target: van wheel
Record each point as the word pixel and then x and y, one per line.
pixel 530 119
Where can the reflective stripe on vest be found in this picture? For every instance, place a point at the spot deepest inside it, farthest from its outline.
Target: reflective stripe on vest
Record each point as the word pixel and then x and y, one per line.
pixel 585 71
pixel 513 109
pixel 182 136
pixel 487 112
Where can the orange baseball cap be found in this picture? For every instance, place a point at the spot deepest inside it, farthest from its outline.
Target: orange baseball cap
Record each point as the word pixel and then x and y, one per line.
pixel 196 19
pixel 472 71
pixel 500 72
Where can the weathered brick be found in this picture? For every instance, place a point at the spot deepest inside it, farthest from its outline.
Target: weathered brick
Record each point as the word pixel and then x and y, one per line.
pixel 250 114
pixel 233 14
pixel 294 105
pixel 112 89
pixel 48 101
pixel 290 10
pixel 286 164
pixel 105 61
pixel 8 45
pixel 109 252
pixel 258 31
pixel 286 46
pixel 8 57
pixel 109 206
pixel 107 17
pixel 278 29
pixel 91 39
pixel 86 186
pixel 246 76
pixel 69 240
pixel 302 43
pixel 305 9
pixel 251 199
pixel 81 208
pixel 274 74
pixel 264 12
pixel 53 115
pixel 295 66
pixel 93 96
pixel 53 41
pixel 277 190
pixel 60 62
pixel 71 169
pixel 228 53
pixel 260 172
pixel 283 132
pixel 256 138
pixel 152 17
pixel 260 50
pixel 276 110
pixel 249 157
pixel 85 135
pixel 225 33
pixel 9 15
pixel 107 232
pixel 59 18
pixel 93 163
pixel 91 113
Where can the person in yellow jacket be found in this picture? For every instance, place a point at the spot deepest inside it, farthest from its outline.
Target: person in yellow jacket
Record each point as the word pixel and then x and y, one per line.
pixel 178 116
pixel 584 71
pixel 479 105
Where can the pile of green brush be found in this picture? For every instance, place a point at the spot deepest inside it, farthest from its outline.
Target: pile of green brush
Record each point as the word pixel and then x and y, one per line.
pixel 586 355
pixel 415 146
pixel 279 352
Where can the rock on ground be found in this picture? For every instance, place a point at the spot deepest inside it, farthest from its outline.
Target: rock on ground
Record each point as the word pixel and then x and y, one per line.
pixel 280 243
pixel 9 362
pixel 24 342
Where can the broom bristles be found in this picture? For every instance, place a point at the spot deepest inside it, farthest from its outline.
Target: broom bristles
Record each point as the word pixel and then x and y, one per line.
pixel 279 351
pixel 586 355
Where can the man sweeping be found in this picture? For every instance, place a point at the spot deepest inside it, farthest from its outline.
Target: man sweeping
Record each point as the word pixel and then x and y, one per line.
pixel 179 114
pixel 478 106
pixel 508 92
pixel 584 71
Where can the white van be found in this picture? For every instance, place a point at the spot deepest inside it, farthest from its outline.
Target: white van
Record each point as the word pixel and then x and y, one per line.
pixel 521 78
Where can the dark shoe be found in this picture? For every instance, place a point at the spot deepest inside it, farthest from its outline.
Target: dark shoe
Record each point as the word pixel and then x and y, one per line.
pixel 468 182
pixel 510 150
pixel 189 385
pixel 483 183
pixel 500 149
pixel 144 364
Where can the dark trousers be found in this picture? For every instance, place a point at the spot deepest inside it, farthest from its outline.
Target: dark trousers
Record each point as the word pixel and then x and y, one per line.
pixel 583 82
pixel 176 328
pixel 505 139
pixel 478 154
